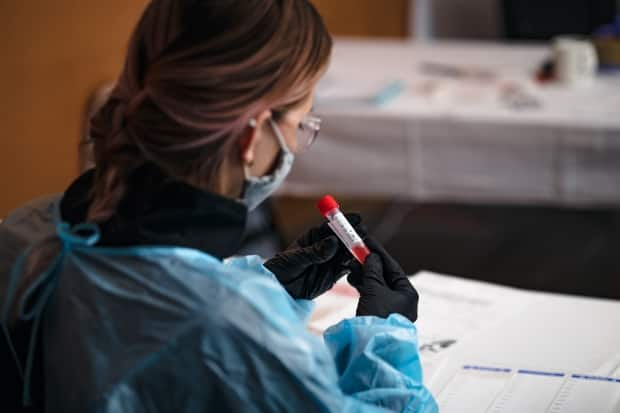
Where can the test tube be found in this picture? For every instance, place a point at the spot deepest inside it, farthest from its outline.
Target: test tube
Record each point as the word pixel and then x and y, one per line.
pixel 342 228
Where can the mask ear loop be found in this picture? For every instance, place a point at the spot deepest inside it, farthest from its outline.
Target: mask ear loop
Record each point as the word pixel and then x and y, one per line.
pixel 279 136
pixel 248 165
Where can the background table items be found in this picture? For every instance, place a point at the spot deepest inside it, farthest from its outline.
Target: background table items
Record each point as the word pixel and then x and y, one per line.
pixel 458 136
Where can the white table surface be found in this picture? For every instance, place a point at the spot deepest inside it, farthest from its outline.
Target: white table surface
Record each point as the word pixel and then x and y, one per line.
pixel 501 327
pixel 445 139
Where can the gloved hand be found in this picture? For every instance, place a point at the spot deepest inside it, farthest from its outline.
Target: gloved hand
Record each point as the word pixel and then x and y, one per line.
pixel 383 286
pixel 313 263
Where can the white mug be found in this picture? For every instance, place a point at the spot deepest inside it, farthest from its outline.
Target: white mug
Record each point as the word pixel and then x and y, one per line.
pixel 576 61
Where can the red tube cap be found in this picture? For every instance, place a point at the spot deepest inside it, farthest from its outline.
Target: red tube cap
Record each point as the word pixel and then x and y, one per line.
pixel 327 204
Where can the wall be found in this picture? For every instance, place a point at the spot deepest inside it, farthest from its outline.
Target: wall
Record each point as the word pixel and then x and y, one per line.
pixel 384 18
pixel 54 54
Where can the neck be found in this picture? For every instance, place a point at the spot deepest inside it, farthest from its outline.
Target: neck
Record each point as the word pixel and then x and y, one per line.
pixel 230 179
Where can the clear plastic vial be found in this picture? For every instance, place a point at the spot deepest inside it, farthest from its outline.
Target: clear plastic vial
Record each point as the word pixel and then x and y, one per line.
pixel 342 228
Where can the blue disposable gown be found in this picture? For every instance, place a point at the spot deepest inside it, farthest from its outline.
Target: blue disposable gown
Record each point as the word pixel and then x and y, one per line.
pixel 167 329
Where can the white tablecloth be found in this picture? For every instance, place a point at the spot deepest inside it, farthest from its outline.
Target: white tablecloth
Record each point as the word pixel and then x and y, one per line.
pixel 513 351
pixel 448 139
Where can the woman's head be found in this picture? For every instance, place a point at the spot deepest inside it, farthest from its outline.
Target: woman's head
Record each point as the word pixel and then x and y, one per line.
pixel 197 74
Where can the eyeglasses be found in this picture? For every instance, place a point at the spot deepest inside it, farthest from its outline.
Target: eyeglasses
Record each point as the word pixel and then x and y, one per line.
pixel 307 132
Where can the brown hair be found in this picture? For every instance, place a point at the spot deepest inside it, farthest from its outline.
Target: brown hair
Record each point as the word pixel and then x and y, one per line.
pixel 85 147
pixel 196 72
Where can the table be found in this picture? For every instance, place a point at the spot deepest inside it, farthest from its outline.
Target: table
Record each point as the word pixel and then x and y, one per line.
pixel 507 349
pixel 460 139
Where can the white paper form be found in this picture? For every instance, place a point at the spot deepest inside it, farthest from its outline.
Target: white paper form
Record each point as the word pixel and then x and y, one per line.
pixel 583 393
pixel 473 389
pixel 452 310
pixel 455 308
pixel 529 391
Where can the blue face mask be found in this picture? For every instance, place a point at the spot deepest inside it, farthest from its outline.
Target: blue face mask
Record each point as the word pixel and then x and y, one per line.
pixel 257 189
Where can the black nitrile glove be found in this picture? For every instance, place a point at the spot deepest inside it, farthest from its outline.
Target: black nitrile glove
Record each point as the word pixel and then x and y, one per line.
pixel 313 263
pixel 383 286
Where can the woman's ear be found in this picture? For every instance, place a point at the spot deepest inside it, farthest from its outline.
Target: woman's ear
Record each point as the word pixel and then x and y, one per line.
pixel 253 135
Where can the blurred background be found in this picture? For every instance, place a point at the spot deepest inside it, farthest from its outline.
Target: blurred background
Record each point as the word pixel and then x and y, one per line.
pixel 478 138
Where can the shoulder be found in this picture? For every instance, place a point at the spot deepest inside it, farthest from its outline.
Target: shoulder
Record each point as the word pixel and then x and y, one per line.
pixel 33 220
pixel 30 223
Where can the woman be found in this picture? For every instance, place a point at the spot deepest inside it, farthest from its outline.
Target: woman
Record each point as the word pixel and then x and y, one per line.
pixel 129 305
